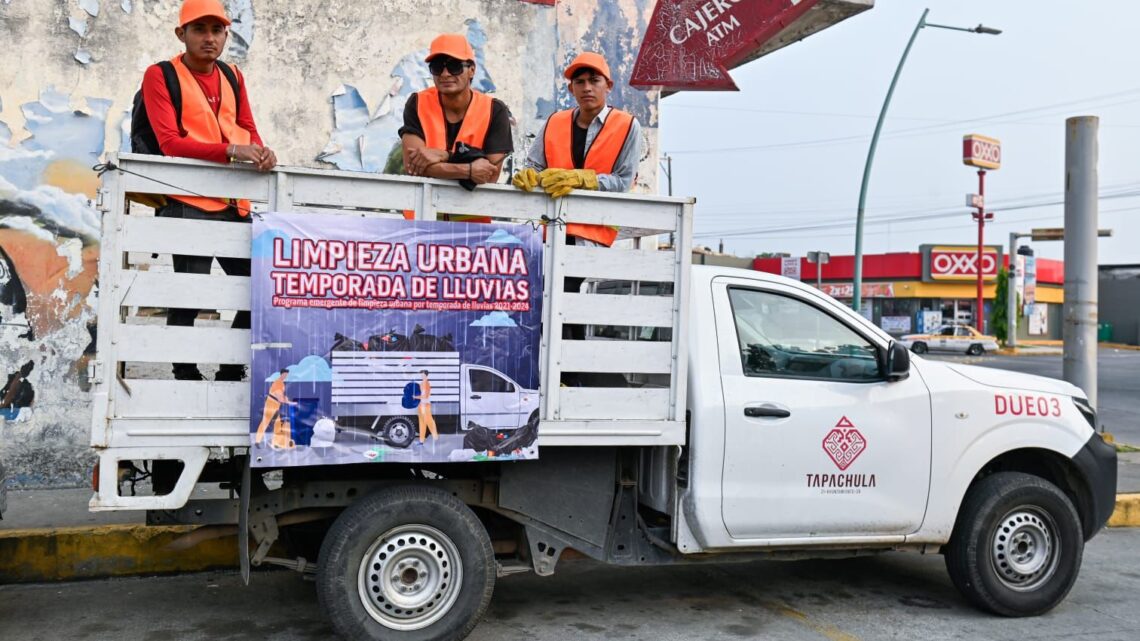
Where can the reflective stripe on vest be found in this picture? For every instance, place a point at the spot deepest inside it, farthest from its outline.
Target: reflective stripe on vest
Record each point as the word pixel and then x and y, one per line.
pixel 472 132
pixel 558 142
pixel 200 123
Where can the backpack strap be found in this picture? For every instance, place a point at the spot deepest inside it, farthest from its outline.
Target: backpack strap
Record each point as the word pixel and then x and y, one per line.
pixel 174 88
pixel 228 72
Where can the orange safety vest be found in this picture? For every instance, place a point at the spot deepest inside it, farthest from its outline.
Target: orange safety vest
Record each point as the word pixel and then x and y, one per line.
pixel 200 123
pixel 473 132
pixel 601 157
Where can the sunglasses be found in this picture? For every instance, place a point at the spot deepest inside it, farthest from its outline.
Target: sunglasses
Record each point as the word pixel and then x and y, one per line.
pixel 453 66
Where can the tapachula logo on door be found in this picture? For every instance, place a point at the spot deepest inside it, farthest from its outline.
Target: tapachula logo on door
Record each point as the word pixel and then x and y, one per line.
pixel 843 444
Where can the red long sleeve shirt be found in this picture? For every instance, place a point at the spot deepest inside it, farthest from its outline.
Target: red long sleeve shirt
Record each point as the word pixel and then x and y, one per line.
pixel 160 112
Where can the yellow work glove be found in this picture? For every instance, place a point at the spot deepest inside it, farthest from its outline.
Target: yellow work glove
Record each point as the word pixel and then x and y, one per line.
pixel 560 182
pixel 525 179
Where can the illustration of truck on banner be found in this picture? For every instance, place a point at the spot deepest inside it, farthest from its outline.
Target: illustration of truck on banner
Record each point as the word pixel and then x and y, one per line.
pixel 383 386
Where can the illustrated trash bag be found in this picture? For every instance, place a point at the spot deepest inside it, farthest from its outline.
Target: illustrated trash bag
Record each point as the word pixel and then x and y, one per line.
pixel 519 439
pixel 342 343
pixel 479 438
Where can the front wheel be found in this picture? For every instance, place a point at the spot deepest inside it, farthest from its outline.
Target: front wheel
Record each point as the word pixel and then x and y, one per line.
pixel 975 350
pixel 410 563
pixel 1017 546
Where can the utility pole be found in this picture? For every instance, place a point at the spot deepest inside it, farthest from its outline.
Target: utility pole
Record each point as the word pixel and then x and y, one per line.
pixel 669 178
pixel 1011 292
pixel 1081 289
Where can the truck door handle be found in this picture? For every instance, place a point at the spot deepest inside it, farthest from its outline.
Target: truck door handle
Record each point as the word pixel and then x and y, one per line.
pixel 475 396
pixel 766 412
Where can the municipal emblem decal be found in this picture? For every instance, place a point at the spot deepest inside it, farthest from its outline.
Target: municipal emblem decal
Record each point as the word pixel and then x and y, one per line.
pixel 844 444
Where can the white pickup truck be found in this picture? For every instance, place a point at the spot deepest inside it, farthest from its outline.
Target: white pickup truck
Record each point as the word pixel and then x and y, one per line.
pixel 779 424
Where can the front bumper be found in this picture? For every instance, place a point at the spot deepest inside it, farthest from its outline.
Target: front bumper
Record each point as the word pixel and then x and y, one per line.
pixel 1097 464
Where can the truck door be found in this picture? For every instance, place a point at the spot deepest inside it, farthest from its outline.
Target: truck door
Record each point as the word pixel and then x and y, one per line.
pixel 489 398
pixel 817 441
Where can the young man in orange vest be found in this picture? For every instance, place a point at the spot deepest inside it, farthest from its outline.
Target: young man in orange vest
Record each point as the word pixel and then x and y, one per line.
pixel 592 146
pixel 216 125
pixel 439 122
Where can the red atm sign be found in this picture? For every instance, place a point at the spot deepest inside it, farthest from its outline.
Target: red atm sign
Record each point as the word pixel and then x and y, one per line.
pixel 981 151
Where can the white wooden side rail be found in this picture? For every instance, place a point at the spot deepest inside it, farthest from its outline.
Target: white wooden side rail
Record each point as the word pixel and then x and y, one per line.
pixel 136 418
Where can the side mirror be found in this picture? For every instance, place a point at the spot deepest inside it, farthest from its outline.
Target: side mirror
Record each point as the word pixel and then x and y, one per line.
pixel 898 362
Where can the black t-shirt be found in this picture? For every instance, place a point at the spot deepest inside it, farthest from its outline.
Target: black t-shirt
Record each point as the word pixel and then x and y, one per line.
pixel 578 145
pixel 497 141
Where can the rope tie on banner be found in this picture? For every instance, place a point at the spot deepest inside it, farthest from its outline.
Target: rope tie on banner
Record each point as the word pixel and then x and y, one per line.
pixel 104 167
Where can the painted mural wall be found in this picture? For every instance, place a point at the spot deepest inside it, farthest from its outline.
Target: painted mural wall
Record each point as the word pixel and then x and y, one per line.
pixel 328 80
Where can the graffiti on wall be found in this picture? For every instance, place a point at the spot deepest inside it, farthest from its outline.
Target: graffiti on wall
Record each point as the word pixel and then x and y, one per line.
pixel 339 104
pixel 48 251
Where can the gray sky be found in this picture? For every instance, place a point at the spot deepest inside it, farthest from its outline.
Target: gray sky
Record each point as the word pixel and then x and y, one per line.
pixel 787 151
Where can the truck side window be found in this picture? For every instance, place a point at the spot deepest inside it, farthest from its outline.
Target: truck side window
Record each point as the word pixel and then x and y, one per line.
pixel 485 382
pixel 784 337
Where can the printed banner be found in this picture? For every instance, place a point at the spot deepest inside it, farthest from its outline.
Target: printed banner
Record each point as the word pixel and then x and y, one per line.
pixel 391 340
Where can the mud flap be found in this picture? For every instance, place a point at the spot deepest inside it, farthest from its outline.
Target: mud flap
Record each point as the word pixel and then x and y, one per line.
pixel 243 520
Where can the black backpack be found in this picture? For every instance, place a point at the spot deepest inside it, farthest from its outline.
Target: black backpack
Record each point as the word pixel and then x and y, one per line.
pixel 143 140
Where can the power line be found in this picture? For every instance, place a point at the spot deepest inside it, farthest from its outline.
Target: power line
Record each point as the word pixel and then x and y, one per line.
pixel 882 220
pixel 914 130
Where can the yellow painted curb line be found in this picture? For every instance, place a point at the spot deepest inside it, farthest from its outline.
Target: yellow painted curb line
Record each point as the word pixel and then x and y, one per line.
pixel 57 554
pixel 1127 512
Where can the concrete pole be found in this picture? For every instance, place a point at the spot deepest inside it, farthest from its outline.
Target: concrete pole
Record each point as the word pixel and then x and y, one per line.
pixel 1080 310
pixel 1011 294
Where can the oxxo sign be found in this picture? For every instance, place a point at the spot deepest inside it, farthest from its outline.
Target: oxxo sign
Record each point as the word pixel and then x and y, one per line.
pixel 981 151
pixel 958 263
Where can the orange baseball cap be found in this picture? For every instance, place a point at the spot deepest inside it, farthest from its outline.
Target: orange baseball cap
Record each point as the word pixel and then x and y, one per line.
pixel 197 9
pixel 451 44
pixel 591 60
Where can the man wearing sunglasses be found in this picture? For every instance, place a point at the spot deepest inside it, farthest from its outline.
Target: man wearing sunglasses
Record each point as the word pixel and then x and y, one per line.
pixel 450 130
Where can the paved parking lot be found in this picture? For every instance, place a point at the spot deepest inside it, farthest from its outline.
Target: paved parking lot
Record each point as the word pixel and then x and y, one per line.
pixel 892 596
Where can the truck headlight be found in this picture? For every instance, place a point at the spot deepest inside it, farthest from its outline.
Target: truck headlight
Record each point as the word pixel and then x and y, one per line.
pixel 1086 410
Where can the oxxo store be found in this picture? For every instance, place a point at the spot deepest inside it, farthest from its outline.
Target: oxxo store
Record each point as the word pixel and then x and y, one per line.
pixel 914 292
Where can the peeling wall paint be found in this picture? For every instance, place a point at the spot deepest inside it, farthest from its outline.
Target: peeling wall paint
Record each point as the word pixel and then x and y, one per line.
pixel 328 81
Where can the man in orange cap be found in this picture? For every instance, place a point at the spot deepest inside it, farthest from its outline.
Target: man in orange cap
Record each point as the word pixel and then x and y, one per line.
pixel 210 120
pixel 593 146
pixel 450 130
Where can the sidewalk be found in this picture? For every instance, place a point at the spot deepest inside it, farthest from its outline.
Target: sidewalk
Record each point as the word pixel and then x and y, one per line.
pixel 1053 348
pixel 48 535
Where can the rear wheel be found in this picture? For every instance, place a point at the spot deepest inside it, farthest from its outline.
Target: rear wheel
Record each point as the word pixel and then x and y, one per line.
pixel 399 431
pixel 918 348
pixel 975 350
pixel 1017 546
pixel 410 564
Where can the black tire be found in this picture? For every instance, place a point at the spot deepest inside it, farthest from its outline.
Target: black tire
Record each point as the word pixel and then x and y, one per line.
pixel 1008 514
pixel 399 431
pixel 975 350
pixel 918 348
pixel 422 522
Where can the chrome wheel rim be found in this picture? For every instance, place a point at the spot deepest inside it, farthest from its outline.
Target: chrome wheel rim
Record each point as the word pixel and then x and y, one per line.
pixel 410 576
pixel 399 432
pixel 1025 549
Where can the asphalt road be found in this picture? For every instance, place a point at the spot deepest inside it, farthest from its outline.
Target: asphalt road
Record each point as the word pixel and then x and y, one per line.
pixel 1118 384
pixel 892 596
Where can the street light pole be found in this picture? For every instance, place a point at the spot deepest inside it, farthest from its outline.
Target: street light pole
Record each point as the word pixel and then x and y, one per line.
pixel 856 303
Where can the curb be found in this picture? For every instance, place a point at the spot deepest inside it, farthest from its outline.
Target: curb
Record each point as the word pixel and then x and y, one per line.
pixel 1127 513
pixel 66 554
pixel 62 554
